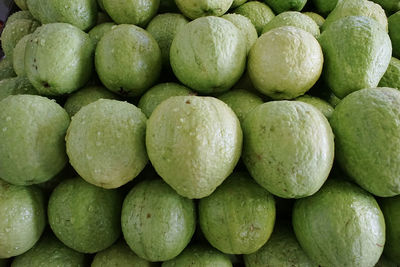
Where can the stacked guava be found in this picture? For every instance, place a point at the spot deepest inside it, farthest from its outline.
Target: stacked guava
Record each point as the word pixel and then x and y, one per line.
pixel 200 133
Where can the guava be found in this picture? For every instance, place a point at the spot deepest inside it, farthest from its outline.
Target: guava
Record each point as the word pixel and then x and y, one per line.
pixel 319 103
pixel 99 30
pixel 390 6
pixel 6 69
pixel 258 13
pixel 194 9
pixel 391 78
pixel 16 86
pixel 24 14
pixel 324 7
pixel 21 4
pixel 237 3
pixel 19 55
pixel 316 18
pixel 280 6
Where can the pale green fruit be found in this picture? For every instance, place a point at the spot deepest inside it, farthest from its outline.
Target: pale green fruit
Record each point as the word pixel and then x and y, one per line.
pixel 32 130
pixel 295 19
pixel 208 55
pixel 22 220
pixel 285 62
pixel 280 6
pixel 394 33
pixel 357 8
pixel 324 7
pixel 157 94
pixel 105 142
pixel 99 30
pixel 193 143
pixel 288 148
pixel 366 126
pixel 163 28
pixel 341 225
pixel 357 52
pixel 19 55
pixel 24 14
pixel 80 13
pixel 128 60
pixel 6 69
pixel 258 13
pixel 137 12
pixel 58 58
pixel 245 26
pixel 194 9
pixel 16 86
pixel 316 18
pixel 320 104
pixel 391 78
pixel 21 4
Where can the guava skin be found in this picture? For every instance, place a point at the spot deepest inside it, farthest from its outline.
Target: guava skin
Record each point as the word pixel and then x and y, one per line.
pixel 194 9
pixel 157 223
pixel 391 211
pixel 280 6
pixel 19 55
pixel 194 143
pixel 319 103
pixel 16 86
pixel 98 31
pixel 341 225
pixel 24 14
pixel 6 69
pixel 259 14
pixel 391 78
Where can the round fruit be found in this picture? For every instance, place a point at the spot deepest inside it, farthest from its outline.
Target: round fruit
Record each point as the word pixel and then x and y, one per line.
pixel 24 14
pixel 194 9
pixel 320 104
pixel 391 211
pixel 238 217
pixel 391 78
pixel 22 220
pixel 58 58
pixel 316 18
pixel 208 54
pixel 394 33
pixel 193 143
pixel 16 86
pixel 32 131
pixel 366 126
pixel 19 55
pixel 341 225
pixel 84 217
pixel 157 223
pixel 288 148
pixel 99 30
pixel 105 142
pixel 128 60
pixel 357 52
pixel 280 6
pixel 258 13
pixel 285 62
pixel 49 251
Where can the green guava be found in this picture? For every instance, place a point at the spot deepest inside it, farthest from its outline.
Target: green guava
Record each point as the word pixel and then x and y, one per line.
pixel 85 217
pixel 357 8
pixel 288 148
pixel 157 223
pixel 208 54
pixel 295 19
pixel 120 255
pixel 32 147
pixel 50 252
pixel 136 12
pixel 245 26
pixel 58 58
pixel 16 86
pixel 282 249
pixel 316 18
pixel 21 4
pixel 19 55
pixel 79 13
pixel 285 62
pixel 163 28
pixel 106 142
pixel 6 69
pixel 394 33
pixel 199 256
pixel 13 32
pixel 128 60
pixel 194 9
pixel 194 143
pixel 391 78
pixel 258 13
pixel 98 31
pixel 237 3
pixel 324 7
pixel 319 103
pixel 241 102
pixel 357 52
pixel 366 126
pixel 24 14
pixel 391 211
pixel 341 225
pixel 238 217
pixel 157 94
pixel 22 220
pixel 85 96
pixel 280 6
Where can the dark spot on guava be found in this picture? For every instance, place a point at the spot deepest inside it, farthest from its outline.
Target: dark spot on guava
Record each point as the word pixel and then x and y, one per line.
pixel 259 157
pixel 34 60
pixel 46 84
pixel 272 129
pixel 187 102
pixel 148 215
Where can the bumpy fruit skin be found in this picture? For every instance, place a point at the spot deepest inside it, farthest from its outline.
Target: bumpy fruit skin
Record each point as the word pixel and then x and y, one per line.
pixel 22 220
pixel 85 217
pixel 238 217
pixel 324 7
pixel 199 256
pixel 237 3
pixel 280 6
pixel 357 8
pixel 137 12
pixel 357 52
pixel 193 143
pixel 394 33
pixel 16 86
pixel 19 55
pixel 128 60
pixel 119 254
pixel 391 211
pixel 58 58
pixel 105 142
pixel 80 13
pixel 50 251
pixel 319 103
pixel 282 249
pixel 157 223
pixel 315 17
pixel 208 55
pixel 194 9
pixel 32 147
pixel 21 4
pixel 341 225
pixel 285 62
pixel 366 124
pixel 288 148
pixel 259 14
pixel 99 30
pixel 24 14
pixel 391 78
pixel 6 69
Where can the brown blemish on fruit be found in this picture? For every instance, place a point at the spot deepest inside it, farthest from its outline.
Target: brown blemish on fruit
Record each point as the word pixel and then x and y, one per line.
pixel 148 215
pixel 46 84
pixel 187 102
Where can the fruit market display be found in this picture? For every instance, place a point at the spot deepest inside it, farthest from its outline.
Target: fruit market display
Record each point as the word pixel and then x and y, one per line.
pixel 202 133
